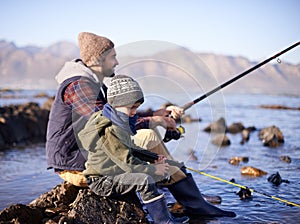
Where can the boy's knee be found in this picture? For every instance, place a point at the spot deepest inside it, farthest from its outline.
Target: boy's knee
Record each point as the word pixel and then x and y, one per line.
pixel 146 138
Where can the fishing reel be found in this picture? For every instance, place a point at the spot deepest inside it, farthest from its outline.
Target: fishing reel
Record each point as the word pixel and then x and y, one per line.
pixel 174 134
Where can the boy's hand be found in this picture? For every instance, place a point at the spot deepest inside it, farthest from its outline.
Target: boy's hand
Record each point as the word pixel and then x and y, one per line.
pixel 162 169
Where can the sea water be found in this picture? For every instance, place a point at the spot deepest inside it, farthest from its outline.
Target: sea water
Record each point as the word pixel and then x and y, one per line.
pixel 24 175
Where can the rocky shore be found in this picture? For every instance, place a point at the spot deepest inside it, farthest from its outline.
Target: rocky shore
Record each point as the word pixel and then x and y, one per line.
pixel 21 125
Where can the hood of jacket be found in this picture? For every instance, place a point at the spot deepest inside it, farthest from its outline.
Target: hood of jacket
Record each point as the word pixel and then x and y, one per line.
pixel 75 68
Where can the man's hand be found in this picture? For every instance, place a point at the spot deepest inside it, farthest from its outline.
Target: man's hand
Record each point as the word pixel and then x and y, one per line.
pixel 161 158
pixel 174 111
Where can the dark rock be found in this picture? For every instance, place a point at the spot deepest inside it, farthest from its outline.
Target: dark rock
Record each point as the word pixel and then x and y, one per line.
pixel 235 128
pixel 276 179
pixel 90 208
pixel 244 193
pixel 22 124
pixel 23 214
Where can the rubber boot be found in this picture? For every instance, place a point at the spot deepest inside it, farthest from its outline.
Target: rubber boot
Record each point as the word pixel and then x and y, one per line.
pixel 160 214
pixel 187 193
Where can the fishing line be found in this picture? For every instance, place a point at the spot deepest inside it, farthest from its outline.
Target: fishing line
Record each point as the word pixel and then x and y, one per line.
pixel 243 187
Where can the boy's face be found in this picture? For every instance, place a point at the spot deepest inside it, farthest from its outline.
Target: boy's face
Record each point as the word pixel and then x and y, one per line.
pixel 129 110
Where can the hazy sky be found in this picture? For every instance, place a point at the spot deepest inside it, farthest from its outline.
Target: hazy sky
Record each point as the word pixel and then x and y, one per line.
pixel 255 29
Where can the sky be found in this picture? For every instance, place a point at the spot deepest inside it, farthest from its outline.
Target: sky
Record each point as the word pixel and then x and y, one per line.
pixel 255 29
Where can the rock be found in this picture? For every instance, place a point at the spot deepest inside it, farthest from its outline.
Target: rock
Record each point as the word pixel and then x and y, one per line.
pixel 214 199
pixel 235 128
pixel 286 159
pixel 246 134
pixel 252 171
pixel 186 118
pixel 218 126
pixel 220 140
pixel 271 136
pixel 67 203
pixel 90 208
pixel 244 193
pixel 22 124
pixel 279 107
pixel 276 179
pixel 20 213
pixel 237 160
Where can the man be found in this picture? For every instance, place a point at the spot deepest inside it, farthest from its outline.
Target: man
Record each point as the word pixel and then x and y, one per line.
pixel 81 93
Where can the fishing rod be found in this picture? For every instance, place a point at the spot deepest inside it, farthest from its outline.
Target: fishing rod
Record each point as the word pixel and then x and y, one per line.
pixel 152 157
pixel 243 187
pixel 188 105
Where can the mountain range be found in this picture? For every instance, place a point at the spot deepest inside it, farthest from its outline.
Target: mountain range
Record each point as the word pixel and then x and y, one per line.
pixel 33 67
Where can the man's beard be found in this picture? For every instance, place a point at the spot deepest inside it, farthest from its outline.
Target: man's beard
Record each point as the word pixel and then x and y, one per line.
pixel 109 73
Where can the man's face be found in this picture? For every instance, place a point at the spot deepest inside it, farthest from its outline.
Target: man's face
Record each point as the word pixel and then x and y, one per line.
pixel 109 63
pixel 106 65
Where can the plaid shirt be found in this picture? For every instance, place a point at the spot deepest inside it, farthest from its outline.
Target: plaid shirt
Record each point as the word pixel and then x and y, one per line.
pixel 85 99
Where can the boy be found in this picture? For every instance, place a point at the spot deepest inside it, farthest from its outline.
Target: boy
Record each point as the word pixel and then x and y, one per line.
pixel 111 169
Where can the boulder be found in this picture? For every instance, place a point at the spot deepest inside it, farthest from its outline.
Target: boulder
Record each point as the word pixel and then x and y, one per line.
pixel 67 203
pixel 271 136
pixel 276 179
pixel 235 128
pixel 252 171
pixel 22 124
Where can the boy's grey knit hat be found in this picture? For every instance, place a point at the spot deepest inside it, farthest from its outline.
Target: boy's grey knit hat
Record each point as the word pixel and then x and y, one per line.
pixel 124 91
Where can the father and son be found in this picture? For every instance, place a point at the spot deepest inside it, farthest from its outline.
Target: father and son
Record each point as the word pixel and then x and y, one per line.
pixel 93 129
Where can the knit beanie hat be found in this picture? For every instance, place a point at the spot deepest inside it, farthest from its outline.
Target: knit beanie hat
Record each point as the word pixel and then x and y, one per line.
pixel 92 47
pixel 124 91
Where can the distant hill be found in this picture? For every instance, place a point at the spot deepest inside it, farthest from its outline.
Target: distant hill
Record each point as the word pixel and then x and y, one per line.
pixel 35 68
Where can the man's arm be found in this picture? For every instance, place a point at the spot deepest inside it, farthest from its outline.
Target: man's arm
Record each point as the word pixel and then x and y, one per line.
pixel 83 97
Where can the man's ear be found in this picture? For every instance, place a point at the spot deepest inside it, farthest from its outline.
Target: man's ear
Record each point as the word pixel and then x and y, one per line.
pixel 97 61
